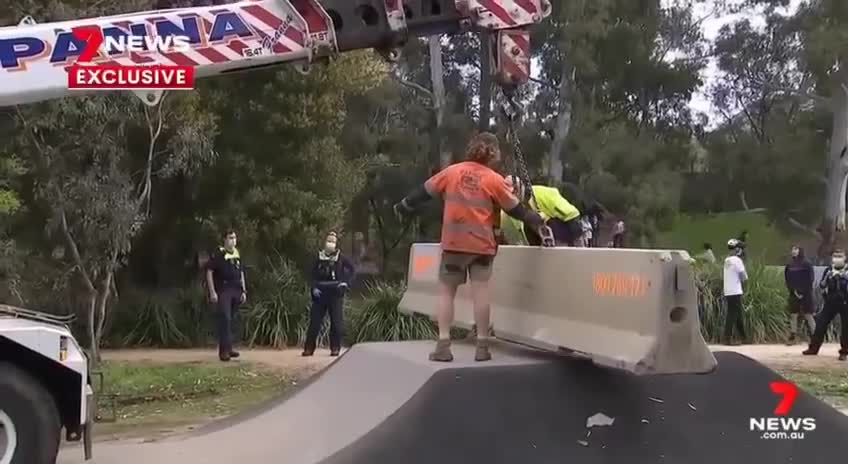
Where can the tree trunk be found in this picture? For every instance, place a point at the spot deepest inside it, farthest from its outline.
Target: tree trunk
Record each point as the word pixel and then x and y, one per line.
pixel 437 79
pixel 563 125
pixel 93 343
pixel 837 168
pixel 485 82
pixel 104 293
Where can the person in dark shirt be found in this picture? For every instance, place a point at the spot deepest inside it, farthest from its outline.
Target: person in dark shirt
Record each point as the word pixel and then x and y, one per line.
pixel 227 291
pixel 331 276
pixel 834 285
pixel 799 276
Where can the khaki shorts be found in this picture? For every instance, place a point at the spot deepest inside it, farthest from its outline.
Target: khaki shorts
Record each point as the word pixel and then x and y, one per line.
pixel 456 267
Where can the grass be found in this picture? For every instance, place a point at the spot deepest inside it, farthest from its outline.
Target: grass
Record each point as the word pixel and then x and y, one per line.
pixel 767 243
pixel 153 397
pixel 829 385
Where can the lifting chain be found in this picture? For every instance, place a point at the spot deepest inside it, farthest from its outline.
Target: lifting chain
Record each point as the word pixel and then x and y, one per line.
pixel 512 111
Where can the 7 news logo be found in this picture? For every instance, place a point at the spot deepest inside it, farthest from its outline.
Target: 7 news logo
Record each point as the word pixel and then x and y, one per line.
pixel 781 426
pixel 115 77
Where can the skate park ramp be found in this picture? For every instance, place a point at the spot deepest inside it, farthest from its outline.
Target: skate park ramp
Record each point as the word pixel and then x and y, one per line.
pixel 386 403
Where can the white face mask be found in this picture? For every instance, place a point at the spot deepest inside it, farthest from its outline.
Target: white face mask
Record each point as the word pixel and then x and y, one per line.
pixel 838 262
pixel 230 244
pixel 795 253
pixel 329 246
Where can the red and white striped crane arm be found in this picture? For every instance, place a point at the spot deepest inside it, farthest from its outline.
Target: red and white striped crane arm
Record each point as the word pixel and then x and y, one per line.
pixel 253 34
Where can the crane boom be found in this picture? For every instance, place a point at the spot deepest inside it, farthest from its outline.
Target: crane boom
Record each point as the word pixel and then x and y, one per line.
pixel 254 34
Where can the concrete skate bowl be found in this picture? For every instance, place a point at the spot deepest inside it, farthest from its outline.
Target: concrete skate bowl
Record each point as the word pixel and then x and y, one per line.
pixel 384 403
pixel 536 413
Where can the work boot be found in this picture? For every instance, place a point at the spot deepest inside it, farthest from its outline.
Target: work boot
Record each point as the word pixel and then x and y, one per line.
pixel 307 353
pixel 224 356
pixel 234 354
pixel 334 353
pixel 810 352
pixel 442 352
pixel 843 356
pixel 482 353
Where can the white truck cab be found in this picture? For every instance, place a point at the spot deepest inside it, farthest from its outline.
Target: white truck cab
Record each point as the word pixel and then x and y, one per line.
pixel 45 387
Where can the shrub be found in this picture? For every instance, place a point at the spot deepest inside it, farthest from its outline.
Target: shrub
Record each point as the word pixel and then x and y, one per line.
pixel 278 315
pixel 175 318
pixel 376 318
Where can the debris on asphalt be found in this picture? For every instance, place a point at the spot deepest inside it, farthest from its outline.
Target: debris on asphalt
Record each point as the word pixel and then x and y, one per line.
pixel 583 442
pixel 692 407
pixel 599 420
pixel 656 400
pixel 645 421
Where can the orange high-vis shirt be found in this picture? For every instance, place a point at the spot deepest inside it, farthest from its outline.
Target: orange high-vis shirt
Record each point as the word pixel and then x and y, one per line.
pixel 474 195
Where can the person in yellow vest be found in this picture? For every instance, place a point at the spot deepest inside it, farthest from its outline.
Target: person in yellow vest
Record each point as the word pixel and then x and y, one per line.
pixel 559 214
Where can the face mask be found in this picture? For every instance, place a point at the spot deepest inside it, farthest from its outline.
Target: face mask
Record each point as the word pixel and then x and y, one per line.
pixel 330 247
pixel 795 253
pixel 230 243
pixel 839 262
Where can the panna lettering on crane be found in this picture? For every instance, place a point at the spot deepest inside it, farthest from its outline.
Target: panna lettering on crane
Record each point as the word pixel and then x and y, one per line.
pixel 66 47
pixel 781 426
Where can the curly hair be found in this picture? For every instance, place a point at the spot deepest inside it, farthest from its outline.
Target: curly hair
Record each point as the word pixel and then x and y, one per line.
pixel 482 148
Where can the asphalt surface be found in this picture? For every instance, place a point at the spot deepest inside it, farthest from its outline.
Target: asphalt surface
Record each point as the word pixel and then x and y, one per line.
pixel 538 414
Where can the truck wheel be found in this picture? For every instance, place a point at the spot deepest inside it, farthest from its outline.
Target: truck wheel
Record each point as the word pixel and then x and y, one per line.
pixel 29 420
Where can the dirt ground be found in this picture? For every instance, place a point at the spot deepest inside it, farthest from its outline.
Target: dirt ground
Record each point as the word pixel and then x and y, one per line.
pixel 286 360
pixel 774 356
pixel 789 357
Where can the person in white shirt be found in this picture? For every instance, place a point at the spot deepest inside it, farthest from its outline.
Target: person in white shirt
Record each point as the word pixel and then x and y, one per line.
pixel 734 276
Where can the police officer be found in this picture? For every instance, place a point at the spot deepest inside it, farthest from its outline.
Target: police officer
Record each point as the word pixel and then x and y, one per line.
pixel 227 291
pixel 834 285
pixel 331 276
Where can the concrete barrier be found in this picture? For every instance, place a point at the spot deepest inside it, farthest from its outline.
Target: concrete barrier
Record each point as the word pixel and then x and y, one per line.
pixel 628 309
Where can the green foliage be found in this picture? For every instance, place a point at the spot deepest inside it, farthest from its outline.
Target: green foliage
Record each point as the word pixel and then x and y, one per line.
pixel 164 319
pixel 766 242
pixel 277 318
pixel 376 317
pixel 143 383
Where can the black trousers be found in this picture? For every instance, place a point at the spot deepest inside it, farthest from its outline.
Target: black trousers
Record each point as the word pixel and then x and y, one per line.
pixel 227 313
pixel 734 317
pixel 618 241
pixel 332 304
pixel 825 317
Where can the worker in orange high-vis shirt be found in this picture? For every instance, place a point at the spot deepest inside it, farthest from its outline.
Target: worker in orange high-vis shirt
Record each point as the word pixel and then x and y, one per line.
pixel 473 194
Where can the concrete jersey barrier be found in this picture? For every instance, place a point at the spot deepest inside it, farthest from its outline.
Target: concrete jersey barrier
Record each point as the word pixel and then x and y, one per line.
pixel 628 309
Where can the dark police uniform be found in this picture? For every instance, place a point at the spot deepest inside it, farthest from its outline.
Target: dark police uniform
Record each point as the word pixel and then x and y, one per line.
pixel 328 271
pixel 226 270
pixel 835 288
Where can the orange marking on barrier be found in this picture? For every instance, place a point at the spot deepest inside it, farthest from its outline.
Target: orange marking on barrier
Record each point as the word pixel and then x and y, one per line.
pixel 422 264
pixel 619 284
